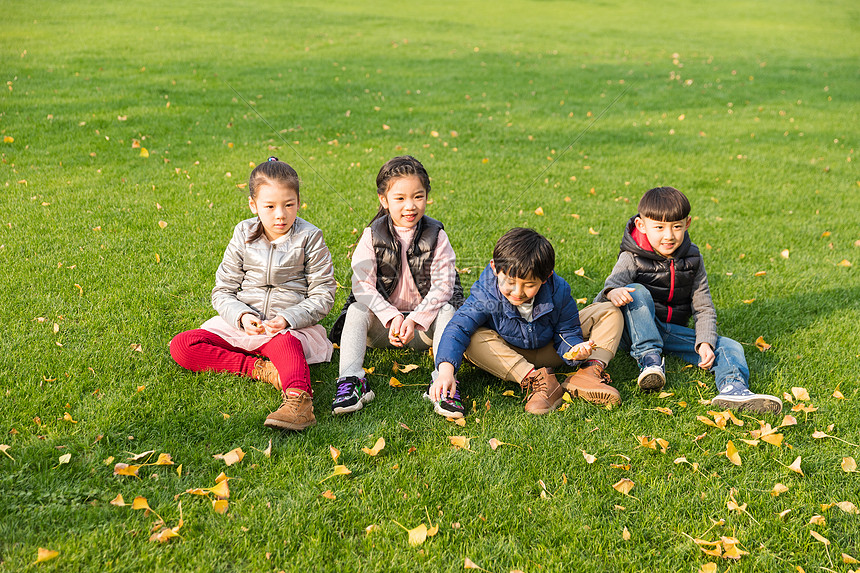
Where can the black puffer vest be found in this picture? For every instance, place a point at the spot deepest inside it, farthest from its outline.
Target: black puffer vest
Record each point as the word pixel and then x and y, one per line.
pixel 388 262
pixel 670 281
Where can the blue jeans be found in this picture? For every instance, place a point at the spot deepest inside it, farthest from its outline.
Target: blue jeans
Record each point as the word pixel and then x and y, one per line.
pixel 643 334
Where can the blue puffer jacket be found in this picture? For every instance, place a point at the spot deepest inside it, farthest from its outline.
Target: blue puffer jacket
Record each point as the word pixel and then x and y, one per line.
pixel 555 319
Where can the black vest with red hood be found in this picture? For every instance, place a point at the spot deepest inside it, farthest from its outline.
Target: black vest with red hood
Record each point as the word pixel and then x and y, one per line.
pixel 670 281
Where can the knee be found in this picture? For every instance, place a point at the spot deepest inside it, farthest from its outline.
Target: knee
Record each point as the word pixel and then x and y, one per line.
pixel 179 347
pixel 730 346
pixel 640 295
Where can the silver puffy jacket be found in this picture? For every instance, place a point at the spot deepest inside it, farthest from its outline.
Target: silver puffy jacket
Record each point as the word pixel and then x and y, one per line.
pixel 293 279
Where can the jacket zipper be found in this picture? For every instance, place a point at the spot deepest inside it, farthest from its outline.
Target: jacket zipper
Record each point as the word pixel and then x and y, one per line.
pixel 671 290
pixel 268 283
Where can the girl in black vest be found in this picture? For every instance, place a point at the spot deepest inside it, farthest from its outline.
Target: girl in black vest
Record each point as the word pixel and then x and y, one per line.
pixel 404 284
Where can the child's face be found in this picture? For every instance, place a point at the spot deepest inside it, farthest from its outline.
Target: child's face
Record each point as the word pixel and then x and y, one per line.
pixel 664 236
pixel 516 290
pixel 406 200
pixel 277 207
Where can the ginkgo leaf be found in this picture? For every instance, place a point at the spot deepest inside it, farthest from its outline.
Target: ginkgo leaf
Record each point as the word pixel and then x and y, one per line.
pixel 165 534
pixel 817 520
pixel 380 443
pixel 335 453
pixel 469 564
pixel 68 418
pixel 197 491
pixel 220 489
pixel 459 421
pixel 751 442
pixel 395 383
pixel 778 489
pixel 460 442
pixel 667 411
pixel 65 458
pixel 625 534
pixel 404 368
pixel 730 548
pixel 220 506
pixel 4 448
pixel 164 460
pixel 773 439
pixel 706 420
pixel 329 494
pixel 118 501
pixel 140 503
pixel 788 420
pixel 800 393
pixel 819 537
pixel 433 530
pixel 268 451
pixel 848 560
pixel 646 442
pixel 838 394
pixel 43 555
pixel 732 453
pixel 665 394
pixel 624 485
pixel 664 445
pixel 782 514
pixel 849 465
pixel 761 344
pixel 508 393
pixel 234 456
pixel 369 370
pixel 708 568
pixel 121 469
pixel 135 457
pixel 847 507
pixel 338 471
pixel 539 211
pixel 372 528
pixel 417 535
pixel 588 457
pixel 795 466
pixel 844 263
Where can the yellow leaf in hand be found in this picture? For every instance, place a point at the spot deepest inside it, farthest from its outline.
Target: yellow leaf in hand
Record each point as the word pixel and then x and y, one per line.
pixel 380 443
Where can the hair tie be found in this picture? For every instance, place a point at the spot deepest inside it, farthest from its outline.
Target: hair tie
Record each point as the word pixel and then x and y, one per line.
pixel 272 159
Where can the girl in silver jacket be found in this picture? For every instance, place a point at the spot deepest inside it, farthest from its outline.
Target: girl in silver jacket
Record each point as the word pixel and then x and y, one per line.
pixel 275 283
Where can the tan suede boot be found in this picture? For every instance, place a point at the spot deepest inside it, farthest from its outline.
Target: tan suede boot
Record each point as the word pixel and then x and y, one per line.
pixel 545 393
pixel 296 412
pixel 264 370
pixel 591 383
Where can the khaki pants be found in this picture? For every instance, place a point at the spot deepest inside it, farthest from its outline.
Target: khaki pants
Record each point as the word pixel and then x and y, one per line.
pixel 601 322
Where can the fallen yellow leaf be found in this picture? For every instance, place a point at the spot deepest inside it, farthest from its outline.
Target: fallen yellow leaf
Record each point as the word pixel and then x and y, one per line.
pixel 761 344
pixel 140 503
pixel 732 453
pixel 329 494
pixel 795 466
pixel 335 453
pixel 395 383
pixel 819 537
pixel 460 442
pixel 380 443
pixel 849 465
pixel 45 555
pixel 800 393
pixel 234 456
pixel 338 471
pixel 778 489
pixel 624 485
pixel 405 368
pixel 220 506
pixel 588 457
pixel 847 507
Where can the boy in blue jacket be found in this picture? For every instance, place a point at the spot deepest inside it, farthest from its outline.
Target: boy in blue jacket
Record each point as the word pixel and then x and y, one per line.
pixel 519 322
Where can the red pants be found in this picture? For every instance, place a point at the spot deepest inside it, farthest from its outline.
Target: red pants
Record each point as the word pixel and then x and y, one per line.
pixel 199 350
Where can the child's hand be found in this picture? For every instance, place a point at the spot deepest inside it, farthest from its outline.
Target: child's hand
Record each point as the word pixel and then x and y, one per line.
pixel 620 296
pixel 706 353
pixel 581 351
pixel 407 331
pixel 394 331
pixel 275 325
pixel 442 387
pixel 251 324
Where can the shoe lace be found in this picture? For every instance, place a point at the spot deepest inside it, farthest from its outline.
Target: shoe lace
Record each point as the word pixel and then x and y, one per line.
pixel 454 398
pixel 346 387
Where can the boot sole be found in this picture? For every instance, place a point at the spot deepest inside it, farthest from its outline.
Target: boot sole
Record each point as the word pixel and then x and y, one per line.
pixel 276 424
pixel 594 397
pixel 651 382
pixel 752 404
pixel 366 399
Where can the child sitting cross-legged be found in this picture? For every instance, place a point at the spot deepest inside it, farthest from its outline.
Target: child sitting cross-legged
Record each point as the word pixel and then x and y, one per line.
pixel 519 322
pixel 659 282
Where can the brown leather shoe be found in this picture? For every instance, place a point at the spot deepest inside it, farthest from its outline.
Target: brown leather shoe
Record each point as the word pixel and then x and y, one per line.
pixel 545 393
pixel 264 370
pixel 296 412
pixel 591 383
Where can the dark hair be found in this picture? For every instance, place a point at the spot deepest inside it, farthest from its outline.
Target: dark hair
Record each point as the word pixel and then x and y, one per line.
pixel 523 253
pixel 274 172
pixel 664 204
pixel 395 168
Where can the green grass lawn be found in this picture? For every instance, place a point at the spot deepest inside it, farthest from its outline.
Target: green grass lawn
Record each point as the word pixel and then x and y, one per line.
pixel 750 108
